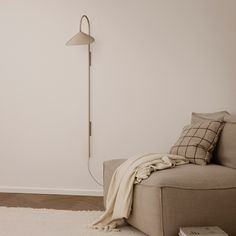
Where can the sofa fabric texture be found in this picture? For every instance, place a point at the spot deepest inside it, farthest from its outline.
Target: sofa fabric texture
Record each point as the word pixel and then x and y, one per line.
pixel 198 141
pixel 183 196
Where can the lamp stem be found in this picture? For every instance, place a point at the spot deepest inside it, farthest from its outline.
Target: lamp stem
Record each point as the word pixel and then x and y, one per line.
pixel 89 104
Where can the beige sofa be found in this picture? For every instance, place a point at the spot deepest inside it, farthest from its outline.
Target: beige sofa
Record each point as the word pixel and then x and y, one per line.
pixel 188 195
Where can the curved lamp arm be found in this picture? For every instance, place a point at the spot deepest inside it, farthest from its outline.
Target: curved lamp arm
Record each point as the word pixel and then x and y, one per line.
pixel 81 21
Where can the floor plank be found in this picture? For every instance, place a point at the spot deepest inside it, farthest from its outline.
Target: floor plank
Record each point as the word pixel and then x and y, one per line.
pixel 51 201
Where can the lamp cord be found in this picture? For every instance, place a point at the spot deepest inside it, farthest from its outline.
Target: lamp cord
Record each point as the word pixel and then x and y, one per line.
pixel 91 174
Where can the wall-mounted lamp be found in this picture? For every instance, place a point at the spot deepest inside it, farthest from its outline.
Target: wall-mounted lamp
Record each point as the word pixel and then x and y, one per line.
pixel 82 38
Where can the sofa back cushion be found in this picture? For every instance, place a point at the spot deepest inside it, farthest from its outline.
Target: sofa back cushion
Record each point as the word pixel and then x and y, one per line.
pixel 198 141
pixel 226 148
pixel 200 117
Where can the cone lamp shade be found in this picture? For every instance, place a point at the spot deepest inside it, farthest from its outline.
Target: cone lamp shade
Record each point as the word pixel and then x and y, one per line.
pixel 80 38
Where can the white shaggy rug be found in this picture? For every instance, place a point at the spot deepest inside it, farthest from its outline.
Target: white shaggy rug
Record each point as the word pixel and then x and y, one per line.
pixel 44 222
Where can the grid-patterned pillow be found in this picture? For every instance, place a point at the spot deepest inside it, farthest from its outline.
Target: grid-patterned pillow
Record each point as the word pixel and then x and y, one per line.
pixel 198 141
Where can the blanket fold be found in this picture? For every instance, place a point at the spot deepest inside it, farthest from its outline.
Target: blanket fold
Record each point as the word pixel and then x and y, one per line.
pixel 120 192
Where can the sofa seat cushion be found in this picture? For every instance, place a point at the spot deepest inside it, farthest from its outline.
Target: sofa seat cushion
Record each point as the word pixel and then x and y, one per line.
pixel 186 195
pixel 192 176
pixel 183 196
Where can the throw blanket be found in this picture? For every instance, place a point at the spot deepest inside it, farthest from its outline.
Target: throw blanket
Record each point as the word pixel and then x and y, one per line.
pixel 120 193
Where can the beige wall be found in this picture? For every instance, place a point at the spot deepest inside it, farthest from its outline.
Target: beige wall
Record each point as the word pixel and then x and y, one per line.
pixel 154 62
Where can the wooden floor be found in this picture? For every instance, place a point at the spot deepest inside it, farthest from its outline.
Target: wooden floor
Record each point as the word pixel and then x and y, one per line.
pixel 64 202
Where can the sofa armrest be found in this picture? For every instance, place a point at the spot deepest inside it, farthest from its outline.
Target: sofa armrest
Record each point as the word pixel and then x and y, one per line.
pixel 109 168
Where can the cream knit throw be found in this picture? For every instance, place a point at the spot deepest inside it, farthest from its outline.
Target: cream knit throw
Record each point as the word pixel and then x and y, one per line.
pixel 120 193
